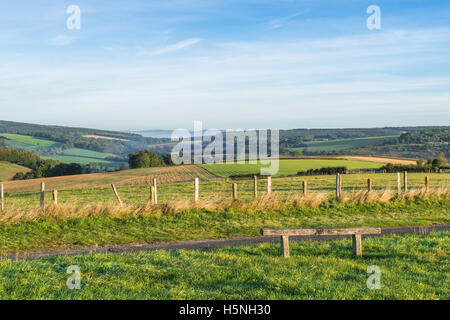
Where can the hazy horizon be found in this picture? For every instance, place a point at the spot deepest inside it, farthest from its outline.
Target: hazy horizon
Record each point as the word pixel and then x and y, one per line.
pixel 167 132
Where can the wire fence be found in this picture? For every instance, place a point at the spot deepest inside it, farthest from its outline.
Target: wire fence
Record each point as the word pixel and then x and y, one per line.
pixel 225 189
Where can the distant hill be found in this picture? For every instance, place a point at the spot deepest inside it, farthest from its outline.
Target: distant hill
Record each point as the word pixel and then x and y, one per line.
pixel 31 129
pixel 424 144
pixel 71 144
pixel 110 148
pixel 409 142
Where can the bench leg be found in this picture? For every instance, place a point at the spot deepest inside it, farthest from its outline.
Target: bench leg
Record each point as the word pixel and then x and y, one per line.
pixel 285 246
pixel 357 246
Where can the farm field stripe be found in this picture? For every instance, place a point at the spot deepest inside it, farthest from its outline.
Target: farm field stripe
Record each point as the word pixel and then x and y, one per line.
pixel 206 244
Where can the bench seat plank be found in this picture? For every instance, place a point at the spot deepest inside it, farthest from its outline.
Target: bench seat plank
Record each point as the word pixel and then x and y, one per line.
pixel 320 232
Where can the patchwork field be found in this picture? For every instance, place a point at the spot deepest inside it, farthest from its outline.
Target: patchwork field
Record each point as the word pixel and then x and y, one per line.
pixel 289 166
pixel 412 267
pixel 8 170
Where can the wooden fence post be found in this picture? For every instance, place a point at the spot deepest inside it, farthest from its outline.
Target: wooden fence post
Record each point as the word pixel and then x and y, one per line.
pixel 55 197
pixel 2 198
pixel 357 245
pixel 285 246
pixel 369 184
pixel 427 183
pixel 255 187
pixel 269 185
pixel 399 184
pixel 338 185
pixel 155 196
pixel 405 181
pixel 305 187
pixel 196 189
pixel 42 194
pixel 152 195
pixel 116 193
pixel 235 191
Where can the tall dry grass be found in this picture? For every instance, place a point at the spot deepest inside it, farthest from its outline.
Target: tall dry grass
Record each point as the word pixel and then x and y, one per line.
pixel 14 214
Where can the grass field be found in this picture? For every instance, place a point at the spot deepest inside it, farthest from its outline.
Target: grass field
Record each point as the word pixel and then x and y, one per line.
pixel 87 153
pixel 8 170
pixel 83 156
pixel 73 155
pixel 115 225
pixel 81 160
pixel 176 183
pixel 289 166
pixel 26 142
pixel 343 144
pixel 412 267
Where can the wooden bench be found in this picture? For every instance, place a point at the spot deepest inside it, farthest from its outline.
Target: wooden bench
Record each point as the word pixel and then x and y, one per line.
pixel 354 232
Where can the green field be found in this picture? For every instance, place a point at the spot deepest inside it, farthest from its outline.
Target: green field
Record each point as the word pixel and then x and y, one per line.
pixel 80 160
pixel 343 144
pixel 87 153
pixel 98 225
pixel 8 170
pixel 72 155
pixel 132 186
pixel 412 267
pixel 19 141
pixel 289 166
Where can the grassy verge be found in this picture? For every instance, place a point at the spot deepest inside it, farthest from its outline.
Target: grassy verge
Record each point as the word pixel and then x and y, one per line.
pixel 108 225
pixel 412 267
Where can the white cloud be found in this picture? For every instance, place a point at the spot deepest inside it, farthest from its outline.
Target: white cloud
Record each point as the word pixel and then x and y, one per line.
pixel 61 40
pixel 172 48
pixel 341 81
pixel 281 22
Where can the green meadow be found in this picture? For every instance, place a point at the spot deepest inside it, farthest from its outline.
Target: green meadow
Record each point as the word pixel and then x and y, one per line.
pixel 20 141
pixel 210 188
pixel 72 155
pixel 289 166
pixel 411 267
pixel 99 225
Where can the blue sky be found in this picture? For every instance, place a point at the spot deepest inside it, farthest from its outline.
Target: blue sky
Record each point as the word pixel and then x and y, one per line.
pixel 231 63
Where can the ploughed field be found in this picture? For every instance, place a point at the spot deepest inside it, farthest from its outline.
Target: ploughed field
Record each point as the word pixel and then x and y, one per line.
pixel 102 180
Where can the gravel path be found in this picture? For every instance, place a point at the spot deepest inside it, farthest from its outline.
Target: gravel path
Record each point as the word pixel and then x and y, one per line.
pixel 203 244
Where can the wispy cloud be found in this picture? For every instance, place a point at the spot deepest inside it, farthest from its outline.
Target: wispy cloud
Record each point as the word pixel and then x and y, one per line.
pixel 172 48
pixel 61 40
pixel 281 22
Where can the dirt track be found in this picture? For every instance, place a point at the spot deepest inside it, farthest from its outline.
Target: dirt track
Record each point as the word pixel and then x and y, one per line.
pixel 203 244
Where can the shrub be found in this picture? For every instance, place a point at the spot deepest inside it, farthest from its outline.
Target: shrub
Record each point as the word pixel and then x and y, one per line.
pixel 145 159
pixel 327 170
